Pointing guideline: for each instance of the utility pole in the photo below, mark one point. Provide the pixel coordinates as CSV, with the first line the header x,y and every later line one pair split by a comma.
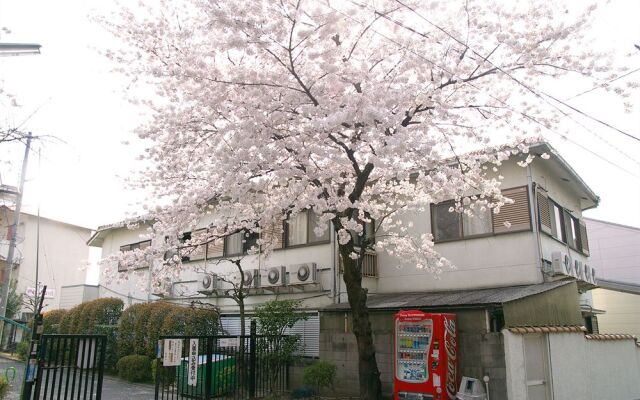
x,y
8,268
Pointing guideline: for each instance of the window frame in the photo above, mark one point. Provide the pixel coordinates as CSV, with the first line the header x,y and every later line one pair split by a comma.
x,y
137,244
570,225
449,204
285,233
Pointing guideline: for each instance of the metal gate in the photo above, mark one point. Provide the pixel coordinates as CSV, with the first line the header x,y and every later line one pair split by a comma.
x,y
232,367
70,367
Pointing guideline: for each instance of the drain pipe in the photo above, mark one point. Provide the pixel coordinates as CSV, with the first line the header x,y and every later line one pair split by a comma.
x,y
486,385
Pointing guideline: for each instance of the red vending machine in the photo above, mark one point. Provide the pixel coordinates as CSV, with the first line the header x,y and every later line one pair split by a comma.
x,y
426,356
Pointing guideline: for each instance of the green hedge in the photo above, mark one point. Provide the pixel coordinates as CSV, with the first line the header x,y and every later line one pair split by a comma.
x,y
51,320
142,324
84,317
135,368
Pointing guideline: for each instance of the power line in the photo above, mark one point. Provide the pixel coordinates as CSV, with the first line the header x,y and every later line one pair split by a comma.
x,y
602,84
516,80
526,116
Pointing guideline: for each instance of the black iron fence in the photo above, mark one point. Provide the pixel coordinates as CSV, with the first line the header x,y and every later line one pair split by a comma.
x,y
69,367
230,367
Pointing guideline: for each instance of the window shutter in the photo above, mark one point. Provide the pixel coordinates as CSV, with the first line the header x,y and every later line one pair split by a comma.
x,y
584,240
273,234
215,248
516,214
544,212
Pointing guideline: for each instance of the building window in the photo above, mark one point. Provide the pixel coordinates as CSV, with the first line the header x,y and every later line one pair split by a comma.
x,y
572,231
133,246
557,222
369,234
452,225
300,229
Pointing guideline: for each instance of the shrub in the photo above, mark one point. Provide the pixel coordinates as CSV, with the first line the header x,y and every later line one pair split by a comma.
x,y
135,368
167,374
51,320
4,387
319,375
111,350
22,350
84,317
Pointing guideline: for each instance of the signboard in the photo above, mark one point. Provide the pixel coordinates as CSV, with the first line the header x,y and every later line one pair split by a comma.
x,y
172,352
49,294
192,372
229,342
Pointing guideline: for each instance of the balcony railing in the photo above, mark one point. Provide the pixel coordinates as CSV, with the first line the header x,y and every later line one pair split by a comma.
x,y
369,265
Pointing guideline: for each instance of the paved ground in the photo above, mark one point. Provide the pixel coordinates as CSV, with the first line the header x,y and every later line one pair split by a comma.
x,y
112,387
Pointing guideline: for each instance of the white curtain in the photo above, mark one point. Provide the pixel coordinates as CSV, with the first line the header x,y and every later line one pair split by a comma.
x,y
297,229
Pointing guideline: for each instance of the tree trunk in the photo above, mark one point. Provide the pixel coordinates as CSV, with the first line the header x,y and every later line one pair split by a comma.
x,y
368,373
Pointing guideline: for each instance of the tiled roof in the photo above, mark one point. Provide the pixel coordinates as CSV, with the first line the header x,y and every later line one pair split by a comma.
x,y
548,329
611,336
455,298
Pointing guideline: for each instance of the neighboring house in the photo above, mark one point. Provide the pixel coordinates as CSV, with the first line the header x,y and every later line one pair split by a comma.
x,y
60,258
522,267
615,249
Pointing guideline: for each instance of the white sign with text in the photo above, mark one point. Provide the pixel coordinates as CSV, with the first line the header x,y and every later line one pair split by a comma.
x,y
172,352
192,373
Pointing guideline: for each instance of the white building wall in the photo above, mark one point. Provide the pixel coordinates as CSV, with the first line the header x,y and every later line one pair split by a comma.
x,y
62,259
580,368
134,287
615,250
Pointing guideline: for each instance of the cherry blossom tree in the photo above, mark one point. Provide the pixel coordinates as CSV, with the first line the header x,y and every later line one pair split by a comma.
x,y
358,110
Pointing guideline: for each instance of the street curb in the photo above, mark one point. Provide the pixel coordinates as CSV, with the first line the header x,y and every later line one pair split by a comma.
x,y
9,357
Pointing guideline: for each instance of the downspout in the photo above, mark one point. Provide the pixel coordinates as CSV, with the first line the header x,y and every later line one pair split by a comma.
x,y
533,209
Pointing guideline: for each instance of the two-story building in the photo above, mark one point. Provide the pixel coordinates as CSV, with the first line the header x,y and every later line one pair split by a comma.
x,y
54,251
525,266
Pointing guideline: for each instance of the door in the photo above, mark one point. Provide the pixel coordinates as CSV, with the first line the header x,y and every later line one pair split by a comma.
x,y
536,356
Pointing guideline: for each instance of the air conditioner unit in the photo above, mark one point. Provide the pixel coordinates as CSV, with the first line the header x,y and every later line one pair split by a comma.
x,y
561,263
300,274
163,289
578,270
208,283
250,278
587,273
275,276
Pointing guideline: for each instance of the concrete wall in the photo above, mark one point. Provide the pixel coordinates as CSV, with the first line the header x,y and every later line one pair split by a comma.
x,y
559,306
481,352
580,368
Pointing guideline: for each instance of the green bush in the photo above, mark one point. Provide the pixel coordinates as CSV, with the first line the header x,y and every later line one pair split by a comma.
x,y
135,368
111,351
51,320
4,386
84,317
167,374
319,375
142,324
22,350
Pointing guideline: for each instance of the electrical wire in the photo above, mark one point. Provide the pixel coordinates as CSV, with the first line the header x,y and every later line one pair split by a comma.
x,y
602,84
493,97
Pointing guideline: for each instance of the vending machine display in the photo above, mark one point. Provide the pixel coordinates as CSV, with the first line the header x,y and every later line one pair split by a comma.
x,y
425,362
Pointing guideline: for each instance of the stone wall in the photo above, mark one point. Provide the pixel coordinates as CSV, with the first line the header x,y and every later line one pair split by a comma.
x,y
481,352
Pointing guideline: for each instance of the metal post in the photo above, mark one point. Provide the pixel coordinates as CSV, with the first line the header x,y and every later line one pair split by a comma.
x,y
33,370
8,268
208,368
252,360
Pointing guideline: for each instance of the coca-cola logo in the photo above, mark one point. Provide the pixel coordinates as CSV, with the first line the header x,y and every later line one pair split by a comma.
x,y
450,345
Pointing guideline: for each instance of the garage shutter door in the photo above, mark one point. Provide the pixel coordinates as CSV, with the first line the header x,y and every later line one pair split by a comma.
x,y
308,330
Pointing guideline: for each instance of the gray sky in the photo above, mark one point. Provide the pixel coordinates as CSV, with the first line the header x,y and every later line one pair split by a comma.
x,y
68,92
